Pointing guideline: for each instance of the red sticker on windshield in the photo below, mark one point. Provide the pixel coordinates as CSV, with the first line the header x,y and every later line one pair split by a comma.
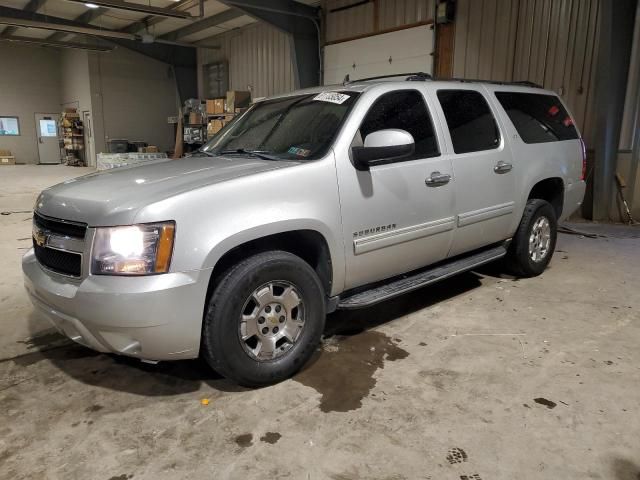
x,y
553,111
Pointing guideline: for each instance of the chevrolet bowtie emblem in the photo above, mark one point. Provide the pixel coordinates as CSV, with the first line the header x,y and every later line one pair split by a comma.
x,y
39,237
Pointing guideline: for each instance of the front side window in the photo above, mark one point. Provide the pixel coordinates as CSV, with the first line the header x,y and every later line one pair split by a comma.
x,y
471,123
301,127
404,110
538,118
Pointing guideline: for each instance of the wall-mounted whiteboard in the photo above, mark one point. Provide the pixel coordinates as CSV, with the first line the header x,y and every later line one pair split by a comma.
x,y
402,51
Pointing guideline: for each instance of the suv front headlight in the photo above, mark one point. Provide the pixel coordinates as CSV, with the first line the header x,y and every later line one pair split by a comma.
x,y
143,249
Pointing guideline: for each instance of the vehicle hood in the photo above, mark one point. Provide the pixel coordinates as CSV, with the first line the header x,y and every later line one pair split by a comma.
x,y
113,197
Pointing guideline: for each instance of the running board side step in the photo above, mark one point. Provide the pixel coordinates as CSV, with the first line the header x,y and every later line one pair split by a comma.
x,y
408,283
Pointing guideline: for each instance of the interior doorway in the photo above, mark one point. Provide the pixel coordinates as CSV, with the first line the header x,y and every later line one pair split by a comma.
x,y
48,140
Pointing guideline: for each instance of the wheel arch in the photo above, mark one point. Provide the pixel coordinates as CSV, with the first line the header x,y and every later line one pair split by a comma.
x,y
550,189
307,243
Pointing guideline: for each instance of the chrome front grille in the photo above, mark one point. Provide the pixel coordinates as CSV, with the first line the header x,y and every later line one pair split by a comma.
x,y
59,244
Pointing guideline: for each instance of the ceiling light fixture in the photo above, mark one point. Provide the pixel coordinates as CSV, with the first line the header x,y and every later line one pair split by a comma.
x,y
91,5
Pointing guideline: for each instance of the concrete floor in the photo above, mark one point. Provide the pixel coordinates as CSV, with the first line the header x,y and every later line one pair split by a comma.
x,y
477,378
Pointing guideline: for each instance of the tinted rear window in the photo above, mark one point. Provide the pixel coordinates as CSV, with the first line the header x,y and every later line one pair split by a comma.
x,y
538,118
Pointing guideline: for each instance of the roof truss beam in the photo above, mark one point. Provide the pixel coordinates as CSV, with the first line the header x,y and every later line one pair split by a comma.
x,y
20,18
86,18
32,6
54,43
136,7
201,25
150,20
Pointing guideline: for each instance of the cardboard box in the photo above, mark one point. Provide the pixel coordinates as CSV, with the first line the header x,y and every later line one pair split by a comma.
x,y
237,99
151,149
195,118
6,158
214,127
215,106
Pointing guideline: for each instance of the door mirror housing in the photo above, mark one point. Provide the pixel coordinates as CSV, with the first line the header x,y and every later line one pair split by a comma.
x,y
383,146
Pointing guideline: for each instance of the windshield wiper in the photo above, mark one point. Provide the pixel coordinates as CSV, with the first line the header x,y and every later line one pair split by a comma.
x,y
262,154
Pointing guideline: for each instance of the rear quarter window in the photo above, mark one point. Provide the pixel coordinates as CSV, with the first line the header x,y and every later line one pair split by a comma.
x,y
538,118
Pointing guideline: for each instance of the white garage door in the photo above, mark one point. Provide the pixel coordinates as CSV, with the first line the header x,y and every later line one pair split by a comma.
x,y
403,51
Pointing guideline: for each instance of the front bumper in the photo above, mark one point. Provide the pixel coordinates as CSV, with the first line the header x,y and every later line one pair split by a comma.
x,y
155,317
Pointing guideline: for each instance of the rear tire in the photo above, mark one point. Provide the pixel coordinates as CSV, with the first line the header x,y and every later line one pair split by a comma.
x,y
264,319
535,240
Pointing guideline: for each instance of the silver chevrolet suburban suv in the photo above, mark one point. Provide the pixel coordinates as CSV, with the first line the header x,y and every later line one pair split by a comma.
x,y
330,198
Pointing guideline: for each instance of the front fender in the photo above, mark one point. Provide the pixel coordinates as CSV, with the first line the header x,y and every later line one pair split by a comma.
x,y
242,237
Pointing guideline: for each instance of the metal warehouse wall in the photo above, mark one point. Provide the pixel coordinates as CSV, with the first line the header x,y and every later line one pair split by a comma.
x,y
633,92
550,42
630,123
362,19
259,58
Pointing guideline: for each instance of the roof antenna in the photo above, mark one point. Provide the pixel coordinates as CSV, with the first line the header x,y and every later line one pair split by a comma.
x,y
346,79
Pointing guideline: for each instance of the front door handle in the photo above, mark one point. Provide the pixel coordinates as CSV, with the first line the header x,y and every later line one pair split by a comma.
x,y
436,179
502,167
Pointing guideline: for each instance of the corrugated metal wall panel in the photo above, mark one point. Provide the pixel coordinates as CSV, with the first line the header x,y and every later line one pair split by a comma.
x,y
347,23
550,42
259,57
360,20
396,13
633,93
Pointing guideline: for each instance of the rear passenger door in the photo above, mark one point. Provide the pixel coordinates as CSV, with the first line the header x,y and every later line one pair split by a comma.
x,y
484,186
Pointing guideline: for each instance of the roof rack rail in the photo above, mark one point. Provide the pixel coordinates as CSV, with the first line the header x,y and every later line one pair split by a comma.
x,y
411,77
524,83
527,83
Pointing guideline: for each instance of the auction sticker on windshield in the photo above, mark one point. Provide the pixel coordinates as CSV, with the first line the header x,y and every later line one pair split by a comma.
x,y
332,97
301,152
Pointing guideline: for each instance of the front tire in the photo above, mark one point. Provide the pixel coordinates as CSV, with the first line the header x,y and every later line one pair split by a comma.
x,y
264,319
535,240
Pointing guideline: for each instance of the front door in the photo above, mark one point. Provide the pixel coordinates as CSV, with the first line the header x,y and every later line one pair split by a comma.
x,y
47,134
482,165
395,219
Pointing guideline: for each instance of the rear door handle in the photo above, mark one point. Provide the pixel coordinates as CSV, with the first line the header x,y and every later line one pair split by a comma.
x,y
502,167
437,179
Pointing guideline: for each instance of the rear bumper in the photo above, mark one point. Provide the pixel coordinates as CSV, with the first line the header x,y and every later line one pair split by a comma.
x,y
154,318
573,197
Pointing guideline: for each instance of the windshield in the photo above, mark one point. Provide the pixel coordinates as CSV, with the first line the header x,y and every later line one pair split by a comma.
x,y
301,127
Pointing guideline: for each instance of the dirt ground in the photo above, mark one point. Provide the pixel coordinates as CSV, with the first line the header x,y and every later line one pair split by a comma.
x,y
481,377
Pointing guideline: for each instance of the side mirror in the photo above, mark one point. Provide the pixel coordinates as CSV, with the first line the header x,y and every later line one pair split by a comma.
x,y
383,146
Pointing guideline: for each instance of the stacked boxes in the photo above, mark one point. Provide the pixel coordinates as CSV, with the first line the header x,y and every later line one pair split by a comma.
x,y
237,99
6,158
215,106
222,110
195,118
214,127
